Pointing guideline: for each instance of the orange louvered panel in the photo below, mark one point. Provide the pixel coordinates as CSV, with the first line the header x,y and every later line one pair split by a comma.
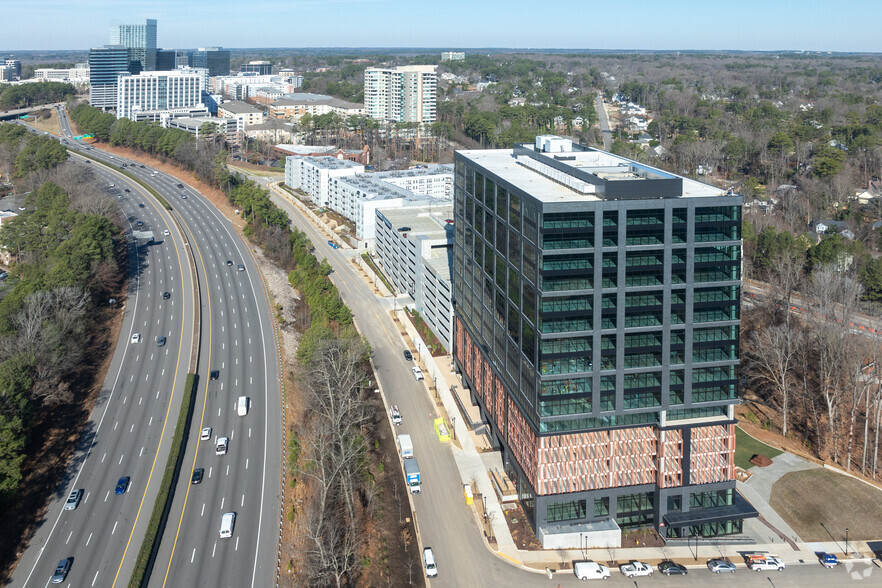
x,y
712,454
670,458
522,442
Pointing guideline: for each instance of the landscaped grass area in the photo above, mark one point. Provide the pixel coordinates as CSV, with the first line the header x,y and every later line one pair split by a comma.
x,y
746,447
820,504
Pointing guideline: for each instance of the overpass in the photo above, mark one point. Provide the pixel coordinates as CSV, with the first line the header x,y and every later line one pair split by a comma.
x,y
19,112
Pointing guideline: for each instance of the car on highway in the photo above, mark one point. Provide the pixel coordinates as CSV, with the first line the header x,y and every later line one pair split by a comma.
x,y
140,205
229,262
213,375
417,373
408,355
228,521
61,571
136,338
395,415
112,185
183,196
181,186
166,295
122,485
198,473
73,500
205,435
221,447
140,223
670,568
142,167
127,190
240,267
429,561
166,232
160,341
720,565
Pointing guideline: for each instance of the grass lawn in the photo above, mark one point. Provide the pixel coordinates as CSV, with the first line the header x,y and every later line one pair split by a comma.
x,y
746,447
820,504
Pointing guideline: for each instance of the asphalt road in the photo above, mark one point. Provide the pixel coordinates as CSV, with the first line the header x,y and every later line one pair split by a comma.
x,y
604,122
237,340
129,432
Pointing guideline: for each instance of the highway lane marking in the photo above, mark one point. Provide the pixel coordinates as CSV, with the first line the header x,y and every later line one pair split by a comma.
x,y
103,456
242,503
246,460
203,510
115,523
228,469
89,539
142,451
106,496
249,432
132,429
218,411
237,544
68,538
210,469
95,579
151,418
115,425
86,499
232,433
166,421
157,397
222,502
125,398
193,556
213,548
140,399
121,458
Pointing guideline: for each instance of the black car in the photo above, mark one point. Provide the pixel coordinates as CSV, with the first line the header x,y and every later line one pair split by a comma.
x,y
142,167
197,476
408,355
127,190
229,262
140,205
181,186
669,568
166,295
214,375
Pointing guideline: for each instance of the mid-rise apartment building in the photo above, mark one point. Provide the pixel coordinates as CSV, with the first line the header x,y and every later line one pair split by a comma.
x,y
427,180
294,106
401,94
105,66
249,115
140,38
413,246
597,305
313,175
158,91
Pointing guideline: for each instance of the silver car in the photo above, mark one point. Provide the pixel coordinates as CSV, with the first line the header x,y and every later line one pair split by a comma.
x,y
721,565
61,571
73,500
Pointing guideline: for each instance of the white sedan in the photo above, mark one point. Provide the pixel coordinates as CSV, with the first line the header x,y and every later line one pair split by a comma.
x,y
136,338
206,434
417,373
166,233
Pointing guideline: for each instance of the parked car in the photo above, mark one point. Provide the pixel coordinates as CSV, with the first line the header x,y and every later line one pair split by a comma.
x,y
73,500
122,485
590,570
408,355
197,476
429,561
721,565
828,560
205,435
669,568
61,571
635,568
417,373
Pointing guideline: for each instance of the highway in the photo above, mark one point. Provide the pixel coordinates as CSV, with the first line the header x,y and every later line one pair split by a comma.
x,y
129,432
236,339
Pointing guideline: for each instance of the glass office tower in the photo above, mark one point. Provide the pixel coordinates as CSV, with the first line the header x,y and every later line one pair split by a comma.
x,y
140,38
597,306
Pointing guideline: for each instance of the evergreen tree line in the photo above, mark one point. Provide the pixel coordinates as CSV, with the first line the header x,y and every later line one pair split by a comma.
x,y
27,95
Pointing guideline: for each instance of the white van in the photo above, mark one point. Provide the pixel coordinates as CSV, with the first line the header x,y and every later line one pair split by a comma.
x,y
429,560
590,570
228,521
242,407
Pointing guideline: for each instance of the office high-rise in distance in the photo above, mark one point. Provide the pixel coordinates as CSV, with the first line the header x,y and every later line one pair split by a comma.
x,y
215,59
140,39
105,65
597,306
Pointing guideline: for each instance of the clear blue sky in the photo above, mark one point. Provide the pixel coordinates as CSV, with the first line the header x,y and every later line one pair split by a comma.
x,y
852,25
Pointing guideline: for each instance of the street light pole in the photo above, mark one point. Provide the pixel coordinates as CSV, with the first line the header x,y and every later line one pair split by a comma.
x,y
454,427
846,541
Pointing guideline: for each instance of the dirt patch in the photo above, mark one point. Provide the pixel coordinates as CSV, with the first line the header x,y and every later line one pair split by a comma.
x,y
55,436
820,504
48,124
521,531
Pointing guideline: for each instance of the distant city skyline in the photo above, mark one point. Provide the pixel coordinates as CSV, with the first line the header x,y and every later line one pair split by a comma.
x,y
566,24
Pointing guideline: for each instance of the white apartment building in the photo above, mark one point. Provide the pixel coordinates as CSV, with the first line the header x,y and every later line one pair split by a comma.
x,y
157,91
294,106
414,247
313,175
429,180
452,56
401,94
75,75
249,115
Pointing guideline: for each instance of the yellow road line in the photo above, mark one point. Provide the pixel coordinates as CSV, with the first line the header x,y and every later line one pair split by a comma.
x,y
202,416
167,412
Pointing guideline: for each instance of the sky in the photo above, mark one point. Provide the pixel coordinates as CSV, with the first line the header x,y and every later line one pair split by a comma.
x,y
749,25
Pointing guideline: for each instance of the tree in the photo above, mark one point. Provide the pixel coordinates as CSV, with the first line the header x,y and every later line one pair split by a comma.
x,y
774,354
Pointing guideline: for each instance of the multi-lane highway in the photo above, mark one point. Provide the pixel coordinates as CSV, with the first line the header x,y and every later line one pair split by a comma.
x,y
235,339
130,430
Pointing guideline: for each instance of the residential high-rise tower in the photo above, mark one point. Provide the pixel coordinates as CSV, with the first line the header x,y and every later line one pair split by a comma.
x,y
597,306
401,94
